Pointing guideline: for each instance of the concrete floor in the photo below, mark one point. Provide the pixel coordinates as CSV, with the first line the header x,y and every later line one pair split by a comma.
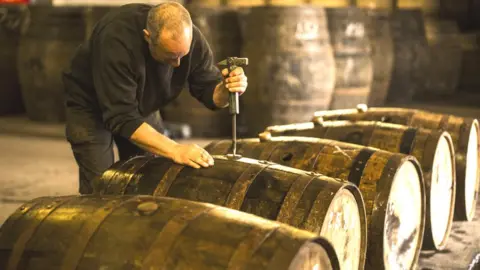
x,y
36,161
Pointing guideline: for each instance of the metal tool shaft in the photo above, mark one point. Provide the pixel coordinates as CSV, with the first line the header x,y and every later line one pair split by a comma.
x,y
234,133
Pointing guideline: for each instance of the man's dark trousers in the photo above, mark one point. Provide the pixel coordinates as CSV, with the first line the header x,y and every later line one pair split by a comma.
x,y
92,145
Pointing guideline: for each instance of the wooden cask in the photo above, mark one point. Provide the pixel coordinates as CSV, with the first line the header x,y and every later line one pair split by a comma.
x,y
44,52
221,28
458,10
433,149
287,48
386,5
395,226
411,55
329,207
380,34
469,79
465,137
445,58
13,18
377,30
247,3
142,232
352,50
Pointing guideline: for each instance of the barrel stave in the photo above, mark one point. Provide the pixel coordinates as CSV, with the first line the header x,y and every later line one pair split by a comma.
x,y
119,232
375,180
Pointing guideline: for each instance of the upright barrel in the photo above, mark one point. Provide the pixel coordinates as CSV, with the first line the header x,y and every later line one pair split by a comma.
x,y
142,232
380,34
465,137
395,226
469,79
13,19
352,50
445,58
433,149
375,19
221,28
292,68
45,50
247,3
411,55
459,10
324,205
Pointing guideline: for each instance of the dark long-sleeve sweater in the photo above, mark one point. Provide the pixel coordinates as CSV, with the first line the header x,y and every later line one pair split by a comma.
x,y
114,75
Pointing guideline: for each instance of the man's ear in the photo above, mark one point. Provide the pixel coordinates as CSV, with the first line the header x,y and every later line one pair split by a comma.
x,y
146,35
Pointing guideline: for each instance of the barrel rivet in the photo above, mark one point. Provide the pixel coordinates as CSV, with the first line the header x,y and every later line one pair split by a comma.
x,y
147,208
265,136
361,108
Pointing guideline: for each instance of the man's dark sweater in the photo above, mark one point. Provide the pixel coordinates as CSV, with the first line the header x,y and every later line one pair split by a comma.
x,y
114,76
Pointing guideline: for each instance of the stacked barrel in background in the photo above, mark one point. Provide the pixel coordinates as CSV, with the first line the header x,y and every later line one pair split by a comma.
x,y
340,181
12,20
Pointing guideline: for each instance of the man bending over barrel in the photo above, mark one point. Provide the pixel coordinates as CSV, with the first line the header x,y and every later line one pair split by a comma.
x,y
136,61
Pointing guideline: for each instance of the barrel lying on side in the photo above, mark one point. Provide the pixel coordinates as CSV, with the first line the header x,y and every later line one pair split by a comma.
x,y
324,205
395,225
465,137
433,149
142,232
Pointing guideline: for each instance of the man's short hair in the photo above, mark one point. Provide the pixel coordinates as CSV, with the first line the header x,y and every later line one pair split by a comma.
x,y
170,16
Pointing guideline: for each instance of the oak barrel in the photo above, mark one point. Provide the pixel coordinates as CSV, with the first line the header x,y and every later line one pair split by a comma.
x,y
221,28
465,137
411,55
458,10
324,205
395,226
433,149
292,67
380,34
12,18
246,3
45,50
445,56
469,79
142,232
352,50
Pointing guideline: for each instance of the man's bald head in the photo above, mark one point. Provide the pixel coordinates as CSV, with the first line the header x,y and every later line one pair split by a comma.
x,y
169,32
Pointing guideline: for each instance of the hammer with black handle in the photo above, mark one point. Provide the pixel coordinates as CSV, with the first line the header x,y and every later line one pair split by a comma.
x,y
232,63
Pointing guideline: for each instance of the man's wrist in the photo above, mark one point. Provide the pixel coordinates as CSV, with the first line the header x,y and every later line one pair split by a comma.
x,y
220,96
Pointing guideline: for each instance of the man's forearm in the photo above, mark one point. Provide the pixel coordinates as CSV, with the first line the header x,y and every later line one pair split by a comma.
x,y
220,96
153,141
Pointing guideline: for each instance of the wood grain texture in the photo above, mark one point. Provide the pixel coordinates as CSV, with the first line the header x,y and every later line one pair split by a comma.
x,y
272,191
341,160
143,232
459,129
421,143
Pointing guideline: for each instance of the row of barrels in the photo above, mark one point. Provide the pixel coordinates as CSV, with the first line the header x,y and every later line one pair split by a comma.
x,y
304,59
343,178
